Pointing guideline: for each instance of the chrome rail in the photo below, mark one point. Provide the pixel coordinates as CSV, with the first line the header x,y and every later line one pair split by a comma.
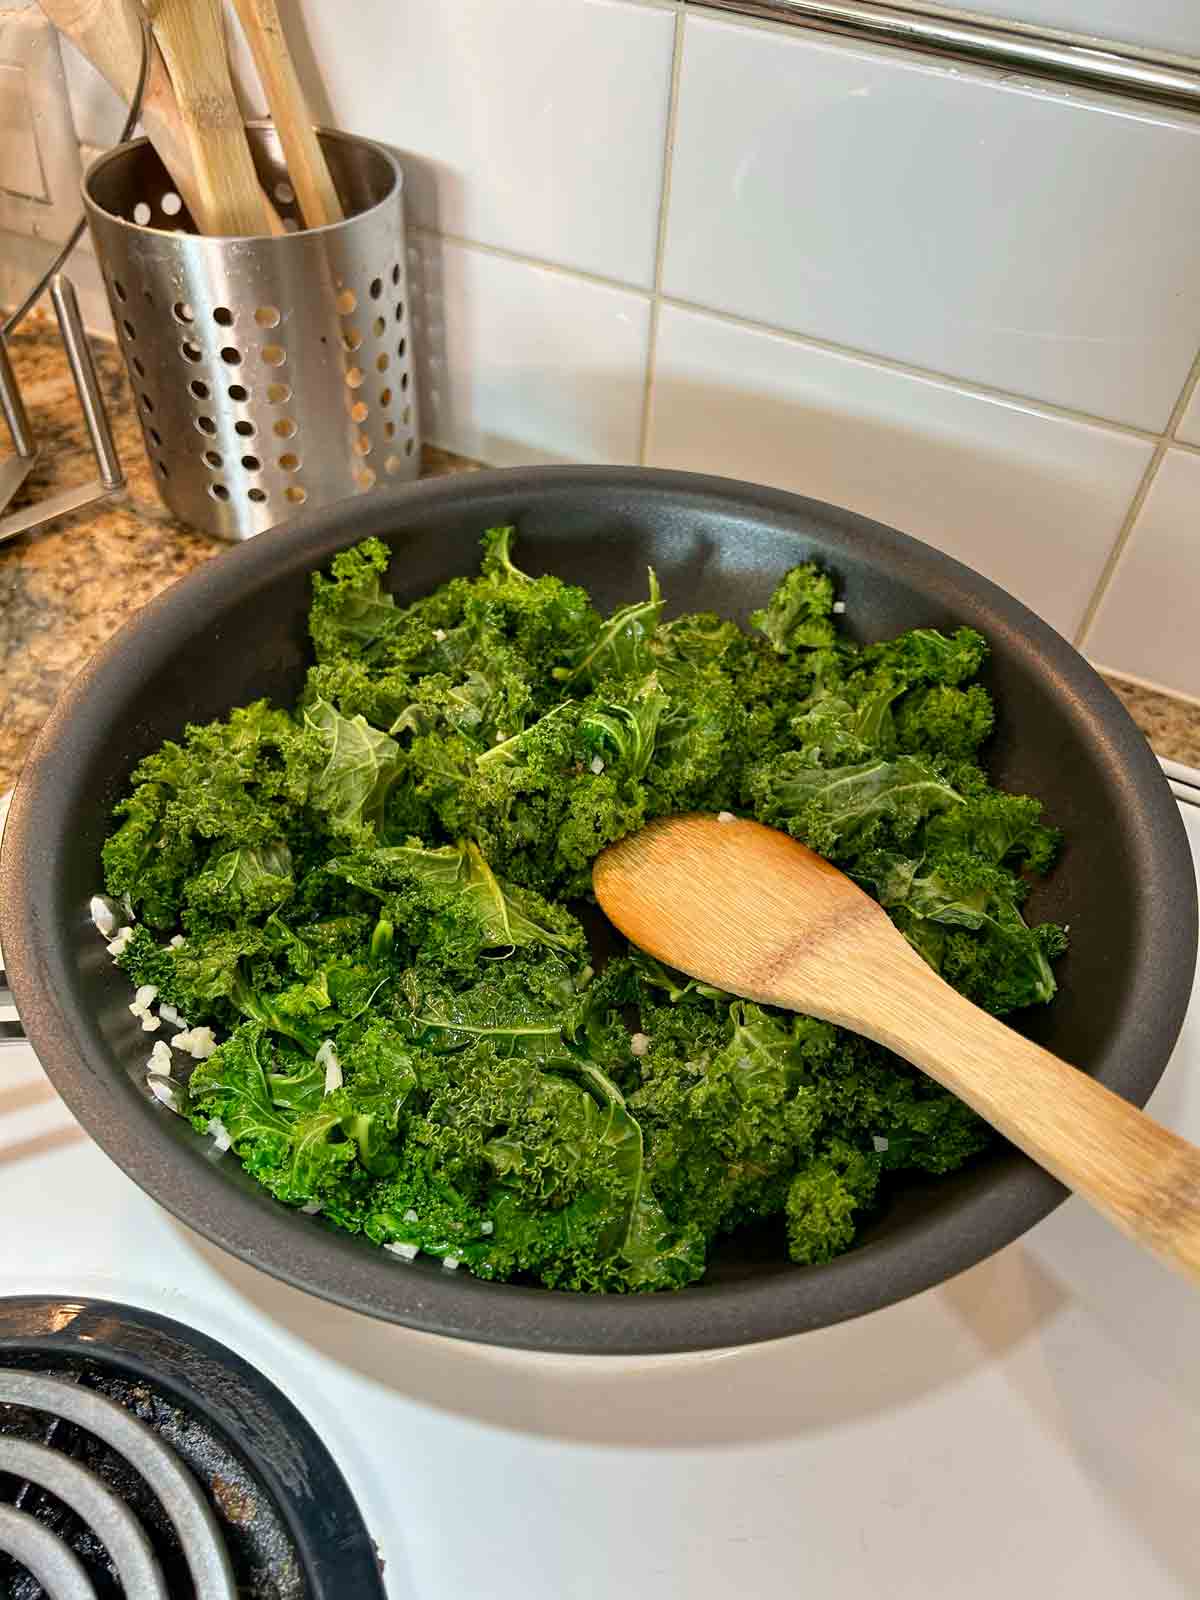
x,y
1117,68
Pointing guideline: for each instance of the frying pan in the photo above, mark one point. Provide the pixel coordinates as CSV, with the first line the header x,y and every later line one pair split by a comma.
x,y
235,630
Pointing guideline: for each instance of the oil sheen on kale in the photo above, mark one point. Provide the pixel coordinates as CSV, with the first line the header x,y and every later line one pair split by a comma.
x,y
373,900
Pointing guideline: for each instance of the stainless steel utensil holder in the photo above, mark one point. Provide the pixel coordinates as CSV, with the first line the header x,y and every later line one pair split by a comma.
x,y
270,373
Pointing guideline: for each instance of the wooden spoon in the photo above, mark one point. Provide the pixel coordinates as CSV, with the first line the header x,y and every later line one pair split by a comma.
x,y
109,34
307,168
191,36
756,913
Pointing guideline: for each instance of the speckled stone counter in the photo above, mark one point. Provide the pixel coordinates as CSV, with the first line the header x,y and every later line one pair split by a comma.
x,y
1170,722
64,590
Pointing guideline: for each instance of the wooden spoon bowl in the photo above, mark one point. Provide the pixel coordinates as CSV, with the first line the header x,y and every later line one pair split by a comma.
x,y
756,913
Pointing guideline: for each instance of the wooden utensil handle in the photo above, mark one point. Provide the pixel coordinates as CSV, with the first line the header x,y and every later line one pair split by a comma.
x,y
1141,1176
191,35
307,167
109,34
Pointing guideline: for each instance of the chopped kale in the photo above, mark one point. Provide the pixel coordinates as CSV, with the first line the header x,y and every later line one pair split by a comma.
x,y
372,900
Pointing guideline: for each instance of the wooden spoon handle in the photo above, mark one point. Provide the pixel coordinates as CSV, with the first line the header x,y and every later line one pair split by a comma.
x,y
307,167
192,39
1141,1176
109,34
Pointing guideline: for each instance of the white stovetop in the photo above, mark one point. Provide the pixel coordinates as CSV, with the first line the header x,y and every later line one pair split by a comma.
x,y
1031,1429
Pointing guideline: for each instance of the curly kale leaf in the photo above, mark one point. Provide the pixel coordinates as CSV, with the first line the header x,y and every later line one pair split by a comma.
x,y
1004,829
824,1199
833,732
544,618
534,1167
621,647
351,614
252,880
482,707
224,787
839,810
449,896
515,1010
653,975
620,732
798,615
295,1152
941,720
960,902
729,1109
360,767
304,1142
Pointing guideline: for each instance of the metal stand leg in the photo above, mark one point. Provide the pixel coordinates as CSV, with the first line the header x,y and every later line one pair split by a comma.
x,y
14,471
83,370
87,387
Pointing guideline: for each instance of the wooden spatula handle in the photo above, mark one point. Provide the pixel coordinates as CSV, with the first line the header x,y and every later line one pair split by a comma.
x,y
306,164
191,36
1142,1177
109,34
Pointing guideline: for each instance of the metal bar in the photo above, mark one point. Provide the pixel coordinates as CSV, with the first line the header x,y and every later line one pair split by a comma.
x,y
54,505
13,473
178,1492
11,1030
83,370
1115,69
56,1568
1182,774
14,408
93,1501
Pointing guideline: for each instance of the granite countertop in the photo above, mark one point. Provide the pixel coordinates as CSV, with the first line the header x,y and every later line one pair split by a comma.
x,y
65,589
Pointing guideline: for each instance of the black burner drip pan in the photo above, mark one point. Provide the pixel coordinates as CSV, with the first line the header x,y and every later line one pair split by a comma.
x,y
276,1501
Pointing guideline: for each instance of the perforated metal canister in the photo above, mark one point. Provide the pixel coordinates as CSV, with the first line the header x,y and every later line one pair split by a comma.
x,y
270,373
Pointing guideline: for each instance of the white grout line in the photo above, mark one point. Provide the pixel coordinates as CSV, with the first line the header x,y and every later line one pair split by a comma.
x,y
909,369
660,247
1121,543
1182,444
504,254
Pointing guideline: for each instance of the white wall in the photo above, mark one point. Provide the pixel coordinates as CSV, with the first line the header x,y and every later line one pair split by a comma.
x,y
961,302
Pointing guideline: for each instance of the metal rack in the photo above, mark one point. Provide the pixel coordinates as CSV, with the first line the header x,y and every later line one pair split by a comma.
x,y
14,471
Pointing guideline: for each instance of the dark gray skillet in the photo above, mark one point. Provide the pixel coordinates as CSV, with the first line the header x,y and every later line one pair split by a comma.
x,y
235,630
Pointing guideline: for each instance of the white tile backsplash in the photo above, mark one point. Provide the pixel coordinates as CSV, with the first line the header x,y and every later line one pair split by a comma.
x,y
23,261
98,111
1006,234
1172,25
1146,623
537,126
527,364
1017,236
1033,501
